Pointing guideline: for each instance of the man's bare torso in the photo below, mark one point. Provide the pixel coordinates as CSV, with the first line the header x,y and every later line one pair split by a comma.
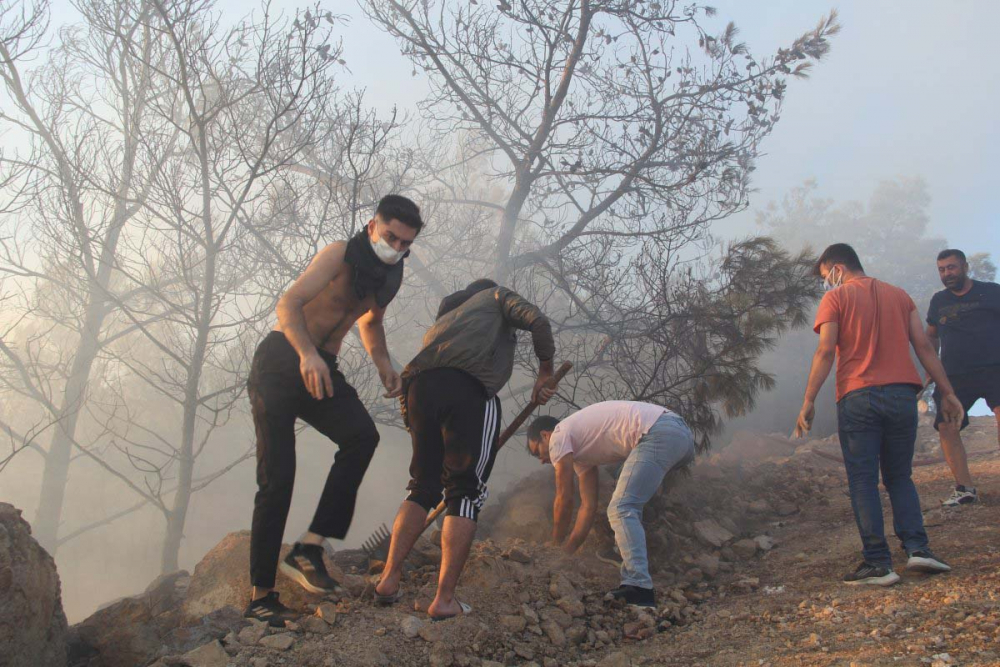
x,y
332,313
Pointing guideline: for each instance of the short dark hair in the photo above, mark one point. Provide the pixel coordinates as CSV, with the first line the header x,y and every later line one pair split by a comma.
x,y
456,299
952,252
398,207
839,253
543,423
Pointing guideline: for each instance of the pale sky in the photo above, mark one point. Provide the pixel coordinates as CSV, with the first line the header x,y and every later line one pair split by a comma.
x,y
910,88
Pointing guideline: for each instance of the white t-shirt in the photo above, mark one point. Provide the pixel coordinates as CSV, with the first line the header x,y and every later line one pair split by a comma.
x,y
602,433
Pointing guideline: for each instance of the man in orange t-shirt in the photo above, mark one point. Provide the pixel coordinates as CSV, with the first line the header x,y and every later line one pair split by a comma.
x,y
869,325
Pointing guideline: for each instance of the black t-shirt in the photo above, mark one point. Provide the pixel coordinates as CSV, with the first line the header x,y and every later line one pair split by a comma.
x,y
968,326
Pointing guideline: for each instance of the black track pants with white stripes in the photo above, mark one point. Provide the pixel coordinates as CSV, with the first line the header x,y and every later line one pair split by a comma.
x,y
455,428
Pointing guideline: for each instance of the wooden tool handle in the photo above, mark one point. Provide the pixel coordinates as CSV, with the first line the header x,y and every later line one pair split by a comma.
x,y
530,407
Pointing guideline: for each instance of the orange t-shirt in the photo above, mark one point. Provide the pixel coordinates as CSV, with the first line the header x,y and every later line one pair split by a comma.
x,y
873,339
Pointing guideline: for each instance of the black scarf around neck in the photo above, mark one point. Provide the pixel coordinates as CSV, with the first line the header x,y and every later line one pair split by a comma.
x,y
371,275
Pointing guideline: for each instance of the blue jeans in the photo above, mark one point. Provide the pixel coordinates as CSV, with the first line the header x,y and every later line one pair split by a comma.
x,y
878,428
667,444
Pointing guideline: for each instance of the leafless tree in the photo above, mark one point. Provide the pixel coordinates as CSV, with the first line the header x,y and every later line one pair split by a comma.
x,y
608,145
86,166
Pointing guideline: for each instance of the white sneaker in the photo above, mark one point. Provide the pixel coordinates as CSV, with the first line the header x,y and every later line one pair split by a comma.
x,y
925,561
961,496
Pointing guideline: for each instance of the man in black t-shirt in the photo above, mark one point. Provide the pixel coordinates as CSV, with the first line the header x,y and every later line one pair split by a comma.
x,y
964,320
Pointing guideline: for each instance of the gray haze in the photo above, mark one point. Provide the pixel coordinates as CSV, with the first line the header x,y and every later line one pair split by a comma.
x,y
909,89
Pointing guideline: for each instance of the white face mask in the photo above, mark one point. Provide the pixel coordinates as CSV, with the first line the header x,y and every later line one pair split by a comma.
x,y
385,252
830,282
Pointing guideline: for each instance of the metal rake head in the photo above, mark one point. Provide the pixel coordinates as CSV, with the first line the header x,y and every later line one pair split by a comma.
x,y
377,546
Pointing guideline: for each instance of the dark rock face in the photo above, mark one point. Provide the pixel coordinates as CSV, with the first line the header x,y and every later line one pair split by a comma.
x,y
33,630
140,629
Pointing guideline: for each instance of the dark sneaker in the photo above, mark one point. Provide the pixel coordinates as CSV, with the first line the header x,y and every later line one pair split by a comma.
x,y
873,575
304,565
270,610
962,495
925,561
609,555
634,595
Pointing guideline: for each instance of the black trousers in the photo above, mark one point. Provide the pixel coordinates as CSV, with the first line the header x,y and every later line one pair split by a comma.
x,y
455,428
278,397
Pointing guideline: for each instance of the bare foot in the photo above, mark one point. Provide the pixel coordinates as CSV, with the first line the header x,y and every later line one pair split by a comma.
x,y
439,609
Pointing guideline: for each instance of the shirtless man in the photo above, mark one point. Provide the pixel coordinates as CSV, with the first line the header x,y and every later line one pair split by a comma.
x,y
294,375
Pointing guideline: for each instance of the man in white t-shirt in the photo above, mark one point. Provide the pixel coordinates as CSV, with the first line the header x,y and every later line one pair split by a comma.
x,y
649,439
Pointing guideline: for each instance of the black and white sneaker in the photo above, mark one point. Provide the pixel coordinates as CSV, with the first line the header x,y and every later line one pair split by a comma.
x,y
925,561
872,575
636,596
304,565
962,495
270,610
609,555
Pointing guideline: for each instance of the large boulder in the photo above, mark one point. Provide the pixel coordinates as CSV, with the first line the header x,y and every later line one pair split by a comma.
x,y
138,630
33,628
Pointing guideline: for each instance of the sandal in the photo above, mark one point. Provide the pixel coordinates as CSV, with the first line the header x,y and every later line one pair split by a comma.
x,y
388,600
466,609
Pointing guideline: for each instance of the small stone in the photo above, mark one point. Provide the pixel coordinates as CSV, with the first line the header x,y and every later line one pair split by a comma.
x,y
786,509
554,632
514,623
813,640
572,606
518,555
411,625
328,612
431,632
576,635
524,651
441,656
315,624
709,564
618,659
745,548
558,616
209,655
260,662
281,642
561,587
250,635
711,533
530,614
381,632
764,542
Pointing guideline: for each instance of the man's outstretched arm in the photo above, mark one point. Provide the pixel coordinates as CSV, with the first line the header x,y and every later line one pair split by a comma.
x,y
951,407
372,331
587,511
562,508
822,362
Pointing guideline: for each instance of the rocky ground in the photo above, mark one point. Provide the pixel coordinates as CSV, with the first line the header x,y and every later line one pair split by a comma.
x,y
748,552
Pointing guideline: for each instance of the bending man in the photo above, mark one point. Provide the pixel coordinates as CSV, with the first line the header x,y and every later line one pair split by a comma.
x,y
294,375
650,440
453,414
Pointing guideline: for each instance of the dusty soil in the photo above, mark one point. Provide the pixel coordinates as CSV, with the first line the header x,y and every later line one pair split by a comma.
x,y
747,556
815,620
